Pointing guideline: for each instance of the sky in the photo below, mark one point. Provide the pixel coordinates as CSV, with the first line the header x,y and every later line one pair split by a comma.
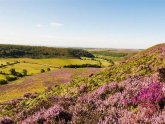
x,y
83,23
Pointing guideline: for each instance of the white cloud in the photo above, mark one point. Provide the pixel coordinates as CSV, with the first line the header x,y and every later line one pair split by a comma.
x,y
39,25
56,24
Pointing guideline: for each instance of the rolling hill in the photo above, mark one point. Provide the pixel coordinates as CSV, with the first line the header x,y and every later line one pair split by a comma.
x,y
129,92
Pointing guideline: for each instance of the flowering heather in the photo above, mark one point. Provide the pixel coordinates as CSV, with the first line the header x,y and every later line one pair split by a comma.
x,y
6,120
51,115
126,94
144,96
152,95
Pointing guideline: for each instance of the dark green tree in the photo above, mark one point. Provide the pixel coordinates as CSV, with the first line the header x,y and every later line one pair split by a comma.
x,y
48,69
42,70
24,71
12,71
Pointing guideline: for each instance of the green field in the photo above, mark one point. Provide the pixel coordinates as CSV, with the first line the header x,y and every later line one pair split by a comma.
x,y
34,66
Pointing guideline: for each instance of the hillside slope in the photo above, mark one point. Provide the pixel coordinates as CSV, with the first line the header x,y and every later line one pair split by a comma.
x,y
18,51
131,92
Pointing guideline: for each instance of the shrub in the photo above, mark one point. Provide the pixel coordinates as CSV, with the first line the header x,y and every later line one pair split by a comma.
x,y
8,63
19,74
24,72
42,70
54,114
48,69
2,82
6,120
10,78
12,71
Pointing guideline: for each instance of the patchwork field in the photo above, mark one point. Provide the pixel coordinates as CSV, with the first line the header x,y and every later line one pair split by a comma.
x,y
34,66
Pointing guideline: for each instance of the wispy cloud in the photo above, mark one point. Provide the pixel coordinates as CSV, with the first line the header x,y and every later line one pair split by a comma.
x,y
51,24
56,24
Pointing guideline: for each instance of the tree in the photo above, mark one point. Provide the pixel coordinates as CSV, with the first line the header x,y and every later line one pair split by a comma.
x,y
2,82
24,72
12,71
10,78
8,63
42,70
48,69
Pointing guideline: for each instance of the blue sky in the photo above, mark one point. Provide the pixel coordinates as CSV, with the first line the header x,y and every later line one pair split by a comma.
x,y
83,23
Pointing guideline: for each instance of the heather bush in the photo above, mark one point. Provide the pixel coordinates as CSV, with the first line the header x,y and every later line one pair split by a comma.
x,y
55,114
105,104
6,120
149,97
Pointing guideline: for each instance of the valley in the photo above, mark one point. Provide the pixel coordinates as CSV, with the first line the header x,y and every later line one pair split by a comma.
x,y
128,85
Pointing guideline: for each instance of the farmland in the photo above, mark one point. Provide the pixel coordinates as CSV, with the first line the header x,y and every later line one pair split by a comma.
x,y
34,66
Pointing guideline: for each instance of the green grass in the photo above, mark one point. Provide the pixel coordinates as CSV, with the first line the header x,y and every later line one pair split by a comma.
x,y
31,68
58,62
2,77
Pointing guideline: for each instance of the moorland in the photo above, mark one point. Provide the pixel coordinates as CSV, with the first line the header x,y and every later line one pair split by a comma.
x,y
101,86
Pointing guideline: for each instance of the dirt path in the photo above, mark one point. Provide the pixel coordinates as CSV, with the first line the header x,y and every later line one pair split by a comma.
x,y
39,82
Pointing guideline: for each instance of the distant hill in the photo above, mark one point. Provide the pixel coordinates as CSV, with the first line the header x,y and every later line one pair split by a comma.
x,y
20,51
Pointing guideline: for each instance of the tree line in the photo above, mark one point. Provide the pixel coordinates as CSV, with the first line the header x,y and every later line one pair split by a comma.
x,y
20,51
